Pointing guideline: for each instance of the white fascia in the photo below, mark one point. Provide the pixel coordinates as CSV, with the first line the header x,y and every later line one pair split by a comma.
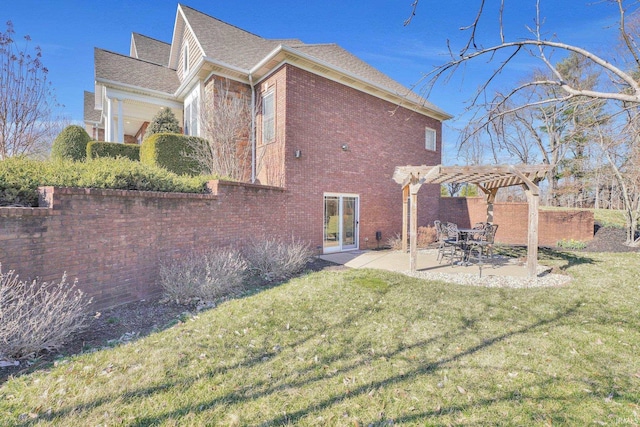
x,y
146,95
403,101
112,93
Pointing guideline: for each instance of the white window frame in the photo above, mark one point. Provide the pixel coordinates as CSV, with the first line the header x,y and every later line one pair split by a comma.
x,y
191,112
185,59
268,121
430,139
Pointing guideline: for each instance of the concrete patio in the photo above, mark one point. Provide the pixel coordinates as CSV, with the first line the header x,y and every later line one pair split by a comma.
x,y
426,262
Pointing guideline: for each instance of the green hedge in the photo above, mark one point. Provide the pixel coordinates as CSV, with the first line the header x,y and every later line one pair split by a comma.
x,y
170,151
20,178
96,149
70,144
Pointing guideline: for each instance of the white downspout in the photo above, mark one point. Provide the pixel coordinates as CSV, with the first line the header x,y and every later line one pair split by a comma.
x,y
253,130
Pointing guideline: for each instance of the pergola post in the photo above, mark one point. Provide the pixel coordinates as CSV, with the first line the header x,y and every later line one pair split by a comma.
x,y
491,198
532,235
413,233
405,213
532,192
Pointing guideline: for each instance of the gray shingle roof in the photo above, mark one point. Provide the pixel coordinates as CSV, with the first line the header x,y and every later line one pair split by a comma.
x,y
152,50
90,113
227,43
135,72
240,48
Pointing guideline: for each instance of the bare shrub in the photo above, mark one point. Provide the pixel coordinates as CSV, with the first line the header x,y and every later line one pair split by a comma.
x,y
395,242
205,276
38,316
273,259
426,236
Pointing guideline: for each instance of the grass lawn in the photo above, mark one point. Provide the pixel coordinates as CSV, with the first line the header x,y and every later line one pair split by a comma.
x,y
364,347
605,217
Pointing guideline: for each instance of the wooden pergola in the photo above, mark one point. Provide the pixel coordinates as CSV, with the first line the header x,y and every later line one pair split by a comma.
x,y
488,178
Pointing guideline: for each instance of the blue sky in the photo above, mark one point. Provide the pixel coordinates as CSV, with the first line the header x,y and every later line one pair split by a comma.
x,y
67,32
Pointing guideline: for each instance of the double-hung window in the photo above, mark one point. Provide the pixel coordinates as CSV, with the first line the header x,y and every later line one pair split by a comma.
x,y
430,139
268,118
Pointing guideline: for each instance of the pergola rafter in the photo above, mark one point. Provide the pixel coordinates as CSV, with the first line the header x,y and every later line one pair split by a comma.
x,y
488,178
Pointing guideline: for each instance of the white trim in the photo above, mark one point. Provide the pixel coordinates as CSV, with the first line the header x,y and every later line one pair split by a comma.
x,y
268,93
164,95
434,133
356,232
194,95
115,93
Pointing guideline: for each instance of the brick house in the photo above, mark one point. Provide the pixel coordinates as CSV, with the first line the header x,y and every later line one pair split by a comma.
x,y
328,128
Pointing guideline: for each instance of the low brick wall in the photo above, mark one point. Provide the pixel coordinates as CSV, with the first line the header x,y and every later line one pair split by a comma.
x,y
512,220
112,240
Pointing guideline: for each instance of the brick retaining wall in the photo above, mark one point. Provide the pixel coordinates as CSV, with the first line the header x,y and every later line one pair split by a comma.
x,y
512,220
112,240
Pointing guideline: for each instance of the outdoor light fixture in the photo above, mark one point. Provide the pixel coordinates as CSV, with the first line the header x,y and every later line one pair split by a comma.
x,y
345,147
298,154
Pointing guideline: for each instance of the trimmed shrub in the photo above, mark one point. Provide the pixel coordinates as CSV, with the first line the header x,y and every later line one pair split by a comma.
x,y
163,122
273,259
20,178
171,151
71,144
114,150
36,317
203,276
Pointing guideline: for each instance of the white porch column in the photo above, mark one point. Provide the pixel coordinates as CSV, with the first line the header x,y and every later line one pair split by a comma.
x,y
108,124
120,122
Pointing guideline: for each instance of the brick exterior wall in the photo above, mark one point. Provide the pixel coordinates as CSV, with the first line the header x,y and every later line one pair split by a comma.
x,y
112,240
512,220
318,116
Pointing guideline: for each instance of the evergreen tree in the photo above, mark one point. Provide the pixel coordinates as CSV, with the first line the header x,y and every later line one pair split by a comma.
x,y
163,122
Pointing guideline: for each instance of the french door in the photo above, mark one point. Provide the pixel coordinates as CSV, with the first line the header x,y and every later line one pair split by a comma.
x,y
341,218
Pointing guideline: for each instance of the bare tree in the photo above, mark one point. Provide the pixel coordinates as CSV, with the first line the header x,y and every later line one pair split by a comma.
x,y
27,100
618,94
226,124
621,148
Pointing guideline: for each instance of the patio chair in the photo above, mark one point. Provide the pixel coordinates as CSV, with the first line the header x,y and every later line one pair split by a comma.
x,y
483,246
453,244
440,238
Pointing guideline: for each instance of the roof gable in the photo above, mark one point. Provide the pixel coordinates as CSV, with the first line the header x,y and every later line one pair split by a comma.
x,y
221,41
149,49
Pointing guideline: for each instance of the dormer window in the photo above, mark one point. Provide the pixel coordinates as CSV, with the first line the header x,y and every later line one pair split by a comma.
x,y
185,59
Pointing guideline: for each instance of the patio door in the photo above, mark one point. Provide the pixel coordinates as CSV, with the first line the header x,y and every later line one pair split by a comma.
x,y
341,218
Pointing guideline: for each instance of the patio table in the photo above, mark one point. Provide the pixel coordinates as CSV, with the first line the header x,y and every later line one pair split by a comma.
x,y
470,237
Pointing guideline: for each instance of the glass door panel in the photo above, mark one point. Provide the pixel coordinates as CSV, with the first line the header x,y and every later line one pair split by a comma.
x,y
349,222
331,224
340,223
